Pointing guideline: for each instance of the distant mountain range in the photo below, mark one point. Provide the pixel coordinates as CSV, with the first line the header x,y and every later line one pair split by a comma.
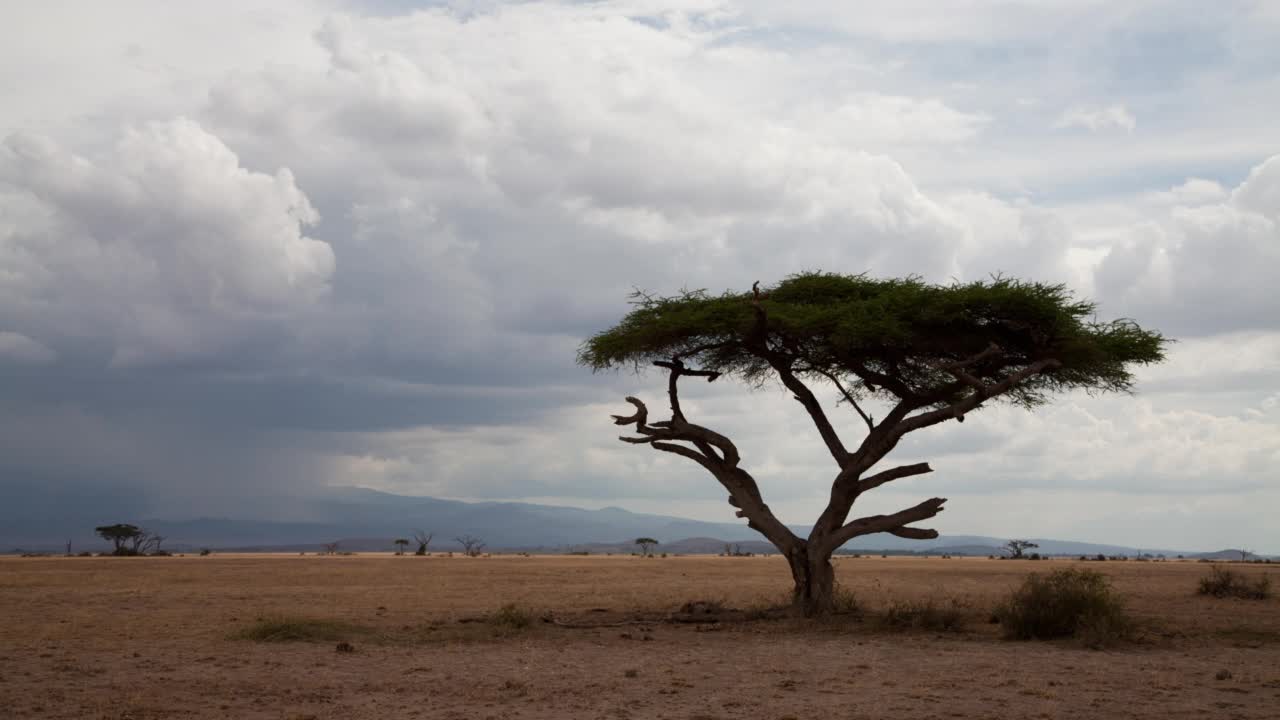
x,y
363,520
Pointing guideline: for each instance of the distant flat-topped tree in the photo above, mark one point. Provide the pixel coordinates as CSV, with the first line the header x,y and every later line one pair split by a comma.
x,y
932,352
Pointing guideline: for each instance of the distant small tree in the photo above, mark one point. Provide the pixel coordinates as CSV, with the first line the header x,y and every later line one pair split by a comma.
x,y
401,544
1016,547
423,539
646,545
1244,554
120,534
471,546
330,548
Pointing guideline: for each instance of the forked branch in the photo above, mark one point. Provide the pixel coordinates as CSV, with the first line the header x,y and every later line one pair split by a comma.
x,y
894,524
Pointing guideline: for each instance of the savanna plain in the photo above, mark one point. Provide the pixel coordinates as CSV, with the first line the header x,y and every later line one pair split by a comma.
x,y
381,636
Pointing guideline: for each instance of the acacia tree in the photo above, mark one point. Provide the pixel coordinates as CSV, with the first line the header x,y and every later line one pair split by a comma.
x,y
646,545
1016,547
929,353
122,533
401,544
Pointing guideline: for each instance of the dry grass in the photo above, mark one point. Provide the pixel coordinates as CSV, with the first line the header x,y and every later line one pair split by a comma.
x,y
301,629
254,636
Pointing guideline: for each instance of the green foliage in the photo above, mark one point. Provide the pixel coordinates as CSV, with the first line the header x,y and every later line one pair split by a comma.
x,y
1223,583
1065,603
852,326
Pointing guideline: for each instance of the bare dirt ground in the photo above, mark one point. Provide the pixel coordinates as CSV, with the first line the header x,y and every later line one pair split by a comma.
x,y
144,638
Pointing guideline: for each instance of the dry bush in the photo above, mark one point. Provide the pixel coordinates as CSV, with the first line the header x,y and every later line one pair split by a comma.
x,y
925,615
511,618
846,602
1223,583
1065,603
300,629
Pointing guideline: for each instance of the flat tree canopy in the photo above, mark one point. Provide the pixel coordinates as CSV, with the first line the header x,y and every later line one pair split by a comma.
x,y
932,352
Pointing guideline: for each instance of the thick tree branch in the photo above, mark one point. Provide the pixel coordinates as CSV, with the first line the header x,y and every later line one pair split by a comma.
x,y
806,397
889,523
714,452
783,365
879,442
744,494
880,478
911,533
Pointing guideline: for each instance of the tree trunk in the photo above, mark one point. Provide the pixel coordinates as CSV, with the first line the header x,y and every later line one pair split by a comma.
x,y
814,593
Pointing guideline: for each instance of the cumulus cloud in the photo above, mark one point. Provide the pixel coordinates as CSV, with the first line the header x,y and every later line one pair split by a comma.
x,y
1195,191
1207,267
1112,117
165,245
648,158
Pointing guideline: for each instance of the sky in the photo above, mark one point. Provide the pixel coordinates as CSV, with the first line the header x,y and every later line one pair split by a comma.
x,y
249,251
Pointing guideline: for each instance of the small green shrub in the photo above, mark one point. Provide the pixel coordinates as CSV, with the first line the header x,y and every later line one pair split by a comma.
x,y
925,615
1223,583
300,629
1069,602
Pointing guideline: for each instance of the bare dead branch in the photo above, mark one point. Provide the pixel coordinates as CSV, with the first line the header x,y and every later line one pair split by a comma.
x,y
884,476
678,367
911,533
887,523
639,417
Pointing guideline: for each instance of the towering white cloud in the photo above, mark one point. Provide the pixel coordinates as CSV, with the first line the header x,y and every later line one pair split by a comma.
x,y
1205,267
164,243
